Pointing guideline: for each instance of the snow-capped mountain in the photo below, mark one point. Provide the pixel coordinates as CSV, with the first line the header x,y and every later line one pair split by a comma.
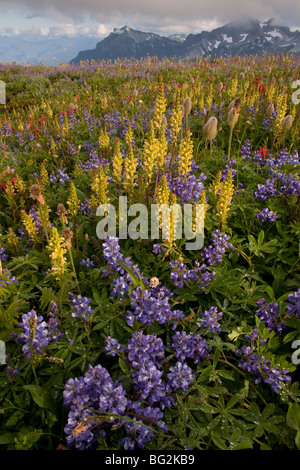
x,y
235,38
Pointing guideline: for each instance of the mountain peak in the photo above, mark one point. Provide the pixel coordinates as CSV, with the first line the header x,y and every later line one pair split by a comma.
x,y
246,36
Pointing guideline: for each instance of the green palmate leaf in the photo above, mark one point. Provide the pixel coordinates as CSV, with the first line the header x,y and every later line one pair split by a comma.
x,y
40,396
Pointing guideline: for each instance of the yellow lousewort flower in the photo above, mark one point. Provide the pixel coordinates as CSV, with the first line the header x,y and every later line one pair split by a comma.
x,y
160,107
163,192
176,119
216,185
30,225
210,129
44,178
150,153
19,184
162,149
287,123
202,200
73,201
99,186
185,154
281,109
103,139
173,220
57,248
117,162
225,198
130,166
233,87
209,98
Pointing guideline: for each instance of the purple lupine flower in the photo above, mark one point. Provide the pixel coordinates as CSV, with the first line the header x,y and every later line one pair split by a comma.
x,y
87,263
180,377
95,391
293,307
11,373
158,249
189,346
145,348
35,333
151,305
81,306
261,368
3,256
268,314
112,346
210,319
54,328
266,214
121,286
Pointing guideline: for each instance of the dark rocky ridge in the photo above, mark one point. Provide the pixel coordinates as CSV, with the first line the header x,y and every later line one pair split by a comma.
x,y
235,38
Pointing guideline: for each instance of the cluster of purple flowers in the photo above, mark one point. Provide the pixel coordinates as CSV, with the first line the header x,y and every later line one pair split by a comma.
x,y
181,276
85,207
3,256
11,373
152,305
266,190
293,307
81,306
35,333
60,176
96,392
268,313
266,214
214,252
189,346
188,188
210,318
246,150
7,279
262,368
88,263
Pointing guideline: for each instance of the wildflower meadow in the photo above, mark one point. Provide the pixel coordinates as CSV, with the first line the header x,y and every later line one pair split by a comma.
x,y
121,342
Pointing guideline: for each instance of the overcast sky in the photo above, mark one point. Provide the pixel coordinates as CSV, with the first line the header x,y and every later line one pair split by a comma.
x,y
161,16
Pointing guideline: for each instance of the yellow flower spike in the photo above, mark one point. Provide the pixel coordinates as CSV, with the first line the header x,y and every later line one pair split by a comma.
x,y
160,107
162,149
44,177
130,167
225,199
73,201
117,162
30,226
185,154
163,192
176,119
202,200
216,185
151,149
19,184
103,139
58,249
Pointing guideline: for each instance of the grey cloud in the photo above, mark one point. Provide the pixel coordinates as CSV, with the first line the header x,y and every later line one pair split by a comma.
x,y
137,13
